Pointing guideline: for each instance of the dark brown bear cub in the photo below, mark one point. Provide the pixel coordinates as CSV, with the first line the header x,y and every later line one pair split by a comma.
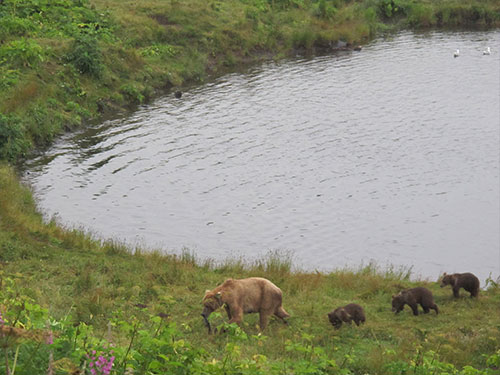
x,y
347,314
461,280
412,297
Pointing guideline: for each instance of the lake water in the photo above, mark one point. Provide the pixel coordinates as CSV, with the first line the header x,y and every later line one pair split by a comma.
x,y
387,155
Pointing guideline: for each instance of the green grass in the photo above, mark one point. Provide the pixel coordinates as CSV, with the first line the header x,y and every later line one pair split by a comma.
x,y
68,271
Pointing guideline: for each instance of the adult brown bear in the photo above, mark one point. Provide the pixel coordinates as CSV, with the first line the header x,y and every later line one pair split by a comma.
x,y
245,296
412,297
467,280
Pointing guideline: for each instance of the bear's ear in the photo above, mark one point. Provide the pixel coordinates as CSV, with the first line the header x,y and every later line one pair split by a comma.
x,y
207,292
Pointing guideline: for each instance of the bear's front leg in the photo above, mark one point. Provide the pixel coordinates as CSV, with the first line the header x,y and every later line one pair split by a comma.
x,y
228,311
263,320
415,309
236,316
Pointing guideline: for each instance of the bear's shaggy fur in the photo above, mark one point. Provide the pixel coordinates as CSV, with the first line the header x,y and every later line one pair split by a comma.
x,y
467,280
347,314
412,297
245,296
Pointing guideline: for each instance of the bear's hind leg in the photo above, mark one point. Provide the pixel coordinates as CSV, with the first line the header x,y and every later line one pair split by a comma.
x,y
282,314
264,319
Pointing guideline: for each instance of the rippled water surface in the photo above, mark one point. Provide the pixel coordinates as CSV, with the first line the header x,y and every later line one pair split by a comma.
x,y
390,155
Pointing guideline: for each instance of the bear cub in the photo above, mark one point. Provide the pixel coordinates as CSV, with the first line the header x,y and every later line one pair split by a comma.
x,y
347,314
412,297
467,280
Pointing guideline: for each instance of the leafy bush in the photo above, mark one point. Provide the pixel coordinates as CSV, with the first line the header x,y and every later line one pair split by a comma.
x,y
12,140
304,39
284,4
159,50
15,26
420,15
325,10
370,15
85,55
8,78
390,8
51,18
25,52
132,93
465,14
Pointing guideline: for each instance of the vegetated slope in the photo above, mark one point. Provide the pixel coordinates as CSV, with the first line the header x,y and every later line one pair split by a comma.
x,y
66,61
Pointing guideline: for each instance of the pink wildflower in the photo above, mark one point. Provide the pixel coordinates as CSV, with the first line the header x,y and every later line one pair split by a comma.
x,y
101,366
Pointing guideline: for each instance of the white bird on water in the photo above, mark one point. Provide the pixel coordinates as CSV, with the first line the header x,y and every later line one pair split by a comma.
x,y
457,53
487,52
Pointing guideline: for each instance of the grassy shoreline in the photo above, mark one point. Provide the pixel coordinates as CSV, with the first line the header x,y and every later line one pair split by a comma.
x,y
107,291
64,63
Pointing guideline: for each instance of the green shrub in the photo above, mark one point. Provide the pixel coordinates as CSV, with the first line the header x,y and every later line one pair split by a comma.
x,y
390,8
158,50
132,93
466,14
420,15
304,39
8,78
15,26
284,4
23,52
12,140
85,55
370,15
325,10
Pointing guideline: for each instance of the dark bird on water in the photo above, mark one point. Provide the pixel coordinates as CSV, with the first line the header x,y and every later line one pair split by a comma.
x,y
178,94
